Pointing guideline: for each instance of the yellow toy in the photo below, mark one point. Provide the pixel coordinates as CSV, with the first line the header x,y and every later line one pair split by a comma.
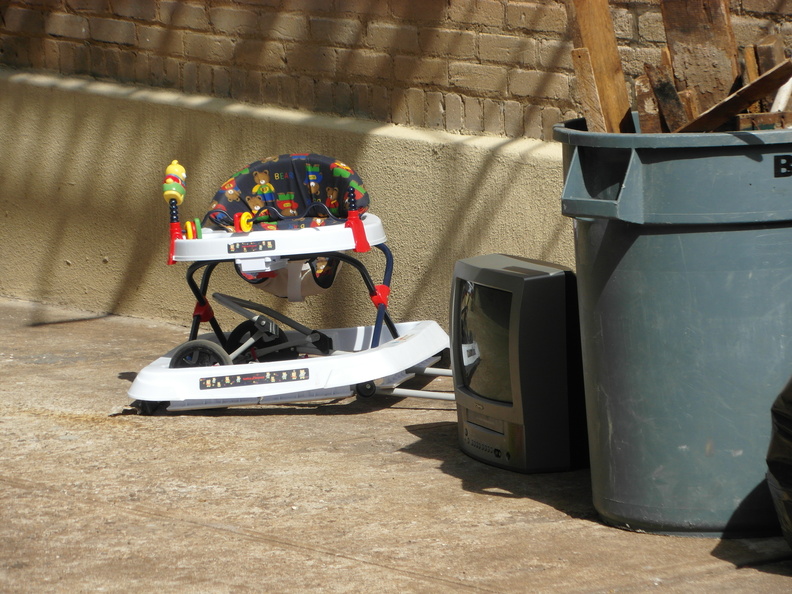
x,y
173,186
173,190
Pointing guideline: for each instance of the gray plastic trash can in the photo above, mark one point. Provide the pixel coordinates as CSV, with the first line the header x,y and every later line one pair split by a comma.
x,y
684,266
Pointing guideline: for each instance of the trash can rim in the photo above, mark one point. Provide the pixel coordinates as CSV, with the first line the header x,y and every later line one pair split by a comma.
x,y
571,132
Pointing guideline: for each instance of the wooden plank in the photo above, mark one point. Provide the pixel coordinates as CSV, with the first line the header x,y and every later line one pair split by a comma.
x,y
671,109
703,47
690,102
767,83
587,88
764,121
666,61
751,73
769,53
689,96
648,112
592,28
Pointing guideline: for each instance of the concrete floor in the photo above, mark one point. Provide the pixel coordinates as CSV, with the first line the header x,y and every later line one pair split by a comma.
x,y
348,496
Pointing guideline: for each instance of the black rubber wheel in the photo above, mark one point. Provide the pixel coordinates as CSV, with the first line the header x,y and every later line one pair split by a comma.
x,y
366,389
238,336
199,353
149,407
245,330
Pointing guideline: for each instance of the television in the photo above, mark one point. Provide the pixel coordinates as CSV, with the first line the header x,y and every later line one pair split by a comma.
x,y
516,364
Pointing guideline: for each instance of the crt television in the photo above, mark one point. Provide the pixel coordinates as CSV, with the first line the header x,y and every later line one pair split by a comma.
x,y
516,361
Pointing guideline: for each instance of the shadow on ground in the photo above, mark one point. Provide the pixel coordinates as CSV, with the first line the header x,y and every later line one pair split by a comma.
x,y
568,492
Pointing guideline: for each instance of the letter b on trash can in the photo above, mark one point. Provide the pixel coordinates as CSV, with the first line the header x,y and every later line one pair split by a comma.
x,y
782,165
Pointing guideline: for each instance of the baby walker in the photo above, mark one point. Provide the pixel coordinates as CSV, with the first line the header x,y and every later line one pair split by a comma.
x,y
285,223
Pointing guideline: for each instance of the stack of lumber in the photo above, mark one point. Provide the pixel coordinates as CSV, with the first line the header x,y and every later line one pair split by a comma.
x,y
701,84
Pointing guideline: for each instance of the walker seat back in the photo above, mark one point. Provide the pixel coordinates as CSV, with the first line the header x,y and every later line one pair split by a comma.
x,y
290,191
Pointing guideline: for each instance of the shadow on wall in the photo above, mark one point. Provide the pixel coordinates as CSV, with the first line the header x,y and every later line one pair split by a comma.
x,y
74,175
84,162
493,205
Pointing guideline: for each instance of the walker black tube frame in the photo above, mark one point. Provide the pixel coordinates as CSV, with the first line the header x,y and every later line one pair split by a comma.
x,y
203,308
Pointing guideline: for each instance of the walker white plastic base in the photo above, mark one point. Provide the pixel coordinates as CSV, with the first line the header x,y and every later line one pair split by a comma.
x,y
310,377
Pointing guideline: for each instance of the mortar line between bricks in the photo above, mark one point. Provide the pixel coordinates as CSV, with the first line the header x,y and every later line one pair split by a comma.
x,y
247,533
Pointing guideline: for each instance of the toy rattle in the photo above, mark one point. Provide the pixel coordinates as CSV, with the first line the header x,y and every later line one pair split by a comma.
x,y
173,190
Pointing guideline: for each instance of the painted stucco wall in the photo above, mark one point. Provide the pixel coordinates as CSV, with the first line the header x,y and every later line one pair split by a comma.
x,y
85,223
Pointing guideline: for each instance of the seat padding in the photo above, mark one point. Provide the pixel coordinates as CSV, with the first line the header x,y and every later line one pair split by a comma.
x,y
290,192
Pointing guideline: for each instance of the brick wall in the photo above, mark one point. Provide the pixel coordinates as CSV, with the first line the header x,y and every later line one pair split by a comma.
x,y
474,66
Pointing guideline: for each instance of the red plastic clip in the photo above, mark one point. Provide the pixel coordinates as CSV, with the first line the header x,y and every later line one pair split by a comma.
x,y
355,223
205,311
381,297
175,233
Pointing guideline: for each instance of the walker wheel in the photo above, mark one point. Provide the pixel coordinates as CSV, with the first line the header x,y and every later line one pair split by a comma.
x,y
199,353
149,407
248,328
366,389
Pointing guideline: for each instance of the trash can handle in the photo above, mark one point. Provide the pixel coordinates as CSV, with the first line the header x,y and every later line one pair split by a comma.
x,y
577,202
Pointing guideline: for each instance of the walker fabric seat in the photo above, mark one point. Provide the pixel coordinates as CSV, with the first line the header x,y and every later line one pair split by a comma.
x,y
290,191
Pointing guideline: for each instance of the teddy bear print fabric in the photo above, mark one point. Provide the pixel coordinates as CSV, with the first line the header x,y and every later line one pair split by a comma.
x,y
290,192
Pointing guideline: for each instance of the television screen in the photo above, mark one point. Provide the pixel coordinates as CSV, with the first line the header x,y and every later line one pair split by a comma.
x,y
484,328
